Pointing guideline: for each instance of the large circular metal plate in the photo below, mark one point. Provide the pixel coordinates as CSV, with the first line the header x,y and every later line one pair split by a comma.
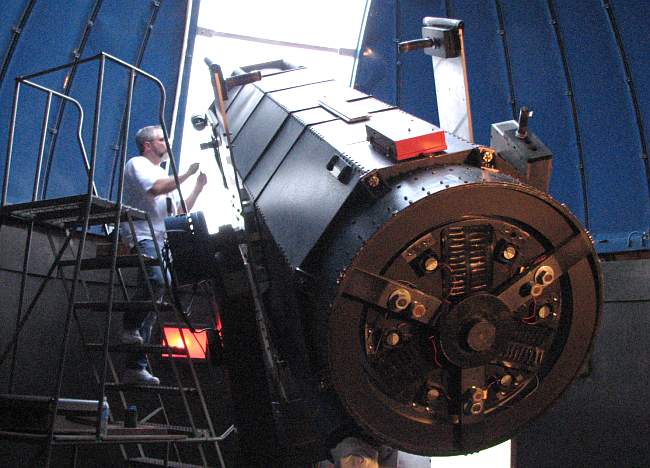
x,y
503,291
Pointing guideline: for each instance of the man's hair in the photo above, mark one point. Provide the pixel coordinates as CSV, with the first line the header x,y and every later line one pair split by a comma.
x,y
145,134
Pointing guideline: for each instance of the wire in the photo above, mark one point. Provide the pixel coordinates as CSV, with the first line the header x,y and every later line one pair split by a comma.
x,y
432,340
532,316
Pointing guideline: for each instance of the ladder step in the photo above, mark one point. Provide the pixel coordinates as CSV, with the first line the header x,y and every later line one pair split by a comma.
x,y
146,461
101,263
90,439
125,348
147,388
120,306
171,429
69,210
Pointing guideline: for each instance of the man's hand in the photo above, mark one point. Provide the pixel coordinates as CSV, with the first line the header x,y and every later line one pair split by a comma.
x,y
167,184
201,180
192,169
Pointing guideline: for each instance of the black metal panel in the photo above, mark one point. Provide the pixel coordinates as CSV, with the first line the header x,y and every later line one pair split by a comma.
x,y
256,133
340,134
242,107
273,156
297,212
306,97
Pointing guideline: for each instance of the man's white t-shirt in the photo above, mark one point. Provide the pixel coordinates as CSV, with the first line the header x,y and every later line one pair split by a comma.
x,y
139,176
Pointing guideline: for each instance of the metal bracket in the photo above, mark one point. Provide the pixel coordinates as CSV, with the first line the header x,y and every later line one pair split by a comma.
x,y
381,291
442,39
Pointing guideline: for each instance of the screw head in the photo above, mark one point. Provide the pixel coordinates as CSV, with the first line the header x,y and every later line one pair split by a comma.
x,y
509,252
477,408
506,380
433,394
373,181
431,264
393,338
544,311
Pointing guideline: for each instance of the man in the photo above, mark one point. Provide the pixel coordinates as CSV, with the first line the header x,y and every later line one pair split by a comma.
x,y
148,187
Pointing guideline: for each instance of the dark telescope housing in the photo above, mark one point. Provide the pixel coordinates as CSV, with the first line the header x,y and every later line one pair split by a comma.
x,y
435,304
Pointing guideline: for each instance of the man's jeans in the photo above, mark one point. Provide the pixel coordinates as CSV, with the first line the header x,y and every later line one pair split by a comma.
x,y
143,320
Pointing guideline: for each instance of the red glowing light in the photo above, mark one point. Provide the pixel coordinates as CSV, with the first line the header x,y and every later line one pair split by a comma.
x,y
196,342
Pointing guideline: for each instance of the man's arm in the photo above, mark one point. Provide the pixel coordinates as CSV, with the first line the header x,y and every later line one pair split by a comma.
x,y
167,184
201,180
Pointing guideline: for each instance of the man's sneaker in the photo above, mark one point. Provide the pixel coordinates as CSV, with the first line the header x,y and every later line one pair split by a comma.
x,y
131,337
139,377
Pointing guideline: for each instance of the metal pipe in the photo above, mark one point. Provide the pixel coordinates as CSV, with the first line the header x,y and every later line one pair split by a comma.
x,y
111,58
41,146
115,241
17,30
562,50
629,79
47,71
10,144
77,268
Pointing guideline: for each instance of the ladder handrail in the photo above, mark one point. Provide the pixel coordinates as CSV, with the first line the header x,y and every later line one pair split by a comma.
x,y
102,56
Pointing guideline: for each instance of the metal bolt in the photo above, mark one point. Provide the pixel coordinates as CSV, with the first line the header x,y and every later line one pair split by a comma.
x,y
505,381
537,290
488,156
433,394
477,395
509,252
373,181
477,408
419,310
393,338
545,275
544,311
399,300
431,264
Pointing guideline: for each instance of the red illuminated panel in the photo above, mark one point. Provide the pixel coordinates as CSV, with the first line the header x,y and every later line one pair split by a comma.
x,y
401,136
196,342
422,144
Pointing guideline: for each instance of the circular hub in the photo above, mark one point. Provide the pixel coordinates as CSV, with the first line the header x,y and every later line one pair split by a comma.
x,y
471,331
488,355
481,336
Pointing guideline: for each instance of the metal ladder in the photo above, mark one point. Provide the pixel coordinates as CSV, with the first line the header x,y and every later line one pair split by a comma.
x,y
75,215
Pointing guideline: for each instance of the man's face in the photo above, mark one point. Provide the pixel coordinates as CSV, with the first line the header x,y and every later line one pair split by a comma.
x,y
158,145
